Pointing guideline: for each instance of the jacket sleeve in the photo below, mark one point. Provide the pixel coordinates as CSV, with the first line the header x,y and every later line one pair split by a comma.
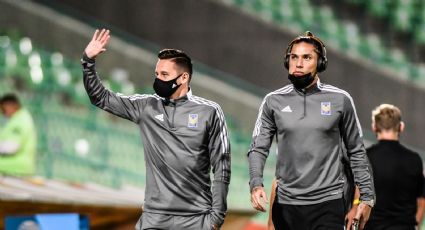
x,y
127,107
262,137
352,136
219,149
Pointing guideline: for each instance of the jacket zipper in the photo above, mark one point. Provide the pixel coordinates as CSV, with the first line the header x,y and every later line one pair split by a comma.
x,y
305,104
172,118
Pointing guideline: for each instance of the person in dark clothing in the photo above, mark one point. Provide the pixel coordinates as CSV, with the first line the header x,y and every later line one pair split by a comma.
x,y
184,137
398,174
312,123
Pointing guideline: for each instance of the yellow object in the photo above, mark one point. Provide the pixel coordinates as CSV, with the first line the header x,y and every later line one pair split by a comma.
x,y
356,201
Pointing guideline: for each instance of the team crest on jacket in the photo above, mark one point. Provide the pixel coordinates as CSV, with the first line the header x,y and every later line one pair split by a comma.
x,y
325,108
192,121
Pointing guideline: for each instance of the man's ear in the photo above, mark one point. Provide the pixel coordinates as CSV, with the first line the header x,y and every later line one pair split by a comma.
x,y
373,126
184,78
402,126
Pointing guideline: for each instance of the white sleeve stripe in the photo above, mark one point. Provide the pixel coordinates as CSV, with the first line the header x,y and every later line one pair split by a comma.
x,y
337,90
137,96
258,123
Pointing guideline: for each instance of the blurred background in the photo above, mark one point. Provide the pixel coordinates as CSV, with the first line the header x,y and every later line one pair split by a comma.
x,y
91,163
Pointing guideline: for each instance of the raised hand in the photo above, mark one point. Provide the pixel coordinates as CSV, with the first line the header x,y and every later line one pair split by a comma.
x,y
97,43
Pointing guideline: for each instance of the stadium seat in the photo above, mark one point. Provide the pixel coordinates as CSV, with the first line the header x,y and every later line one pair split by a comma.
x,y
378,7
345,35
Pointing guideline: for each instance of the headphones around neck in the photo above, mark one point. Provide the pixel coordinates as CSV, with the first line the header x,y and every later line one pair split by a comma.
x,y
322,61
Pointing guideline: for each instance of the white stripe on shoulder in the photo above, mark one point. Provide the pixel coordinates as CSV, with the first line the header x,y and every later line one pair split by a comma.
x,y
203,101
138,96
200,100
284,90
334,89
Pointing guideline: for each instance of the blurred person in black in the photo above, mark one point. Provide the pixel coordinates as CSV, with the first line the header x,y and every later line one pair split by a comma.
x,y
398,175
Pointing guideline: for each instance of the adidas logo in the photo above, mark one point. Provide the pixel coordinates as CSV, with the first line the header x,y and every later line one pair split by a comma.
x,y
173,86
287,109
160,117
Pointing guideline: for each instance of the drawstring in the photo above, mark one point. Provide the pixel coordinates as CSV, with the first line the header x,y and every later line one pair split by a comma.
x,y
305,105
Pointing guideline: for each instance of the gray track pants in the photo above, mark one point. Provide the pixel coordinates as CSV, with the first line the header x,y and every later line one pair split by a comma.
x,y
165,222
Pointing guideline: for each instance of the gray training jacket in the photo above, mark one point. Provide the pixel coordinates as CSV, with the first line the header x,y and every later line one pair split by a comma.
x,y
183,139
311,128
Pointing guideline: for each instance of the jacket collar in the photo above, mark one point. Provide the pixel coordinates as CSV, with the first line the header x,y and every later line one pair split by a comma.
x,y
179,100
310,90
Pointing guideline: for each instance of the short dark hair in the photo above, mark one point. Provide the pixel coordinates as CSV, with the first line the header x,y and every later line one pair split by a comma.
x,y
179,57
10,98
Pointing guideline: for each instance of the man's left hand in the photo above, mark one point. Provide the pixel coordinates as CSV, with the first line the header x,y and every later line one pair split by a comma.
x,y
362,214
351,216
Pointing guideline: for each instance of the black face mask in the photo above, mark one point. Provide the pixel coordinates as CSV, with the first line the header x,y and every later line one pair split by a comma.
x,y
301,82
166,88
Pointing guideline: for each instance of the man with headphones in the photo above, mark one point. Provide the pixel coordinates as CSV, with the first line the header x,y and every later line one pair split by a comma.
x,y
314,124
